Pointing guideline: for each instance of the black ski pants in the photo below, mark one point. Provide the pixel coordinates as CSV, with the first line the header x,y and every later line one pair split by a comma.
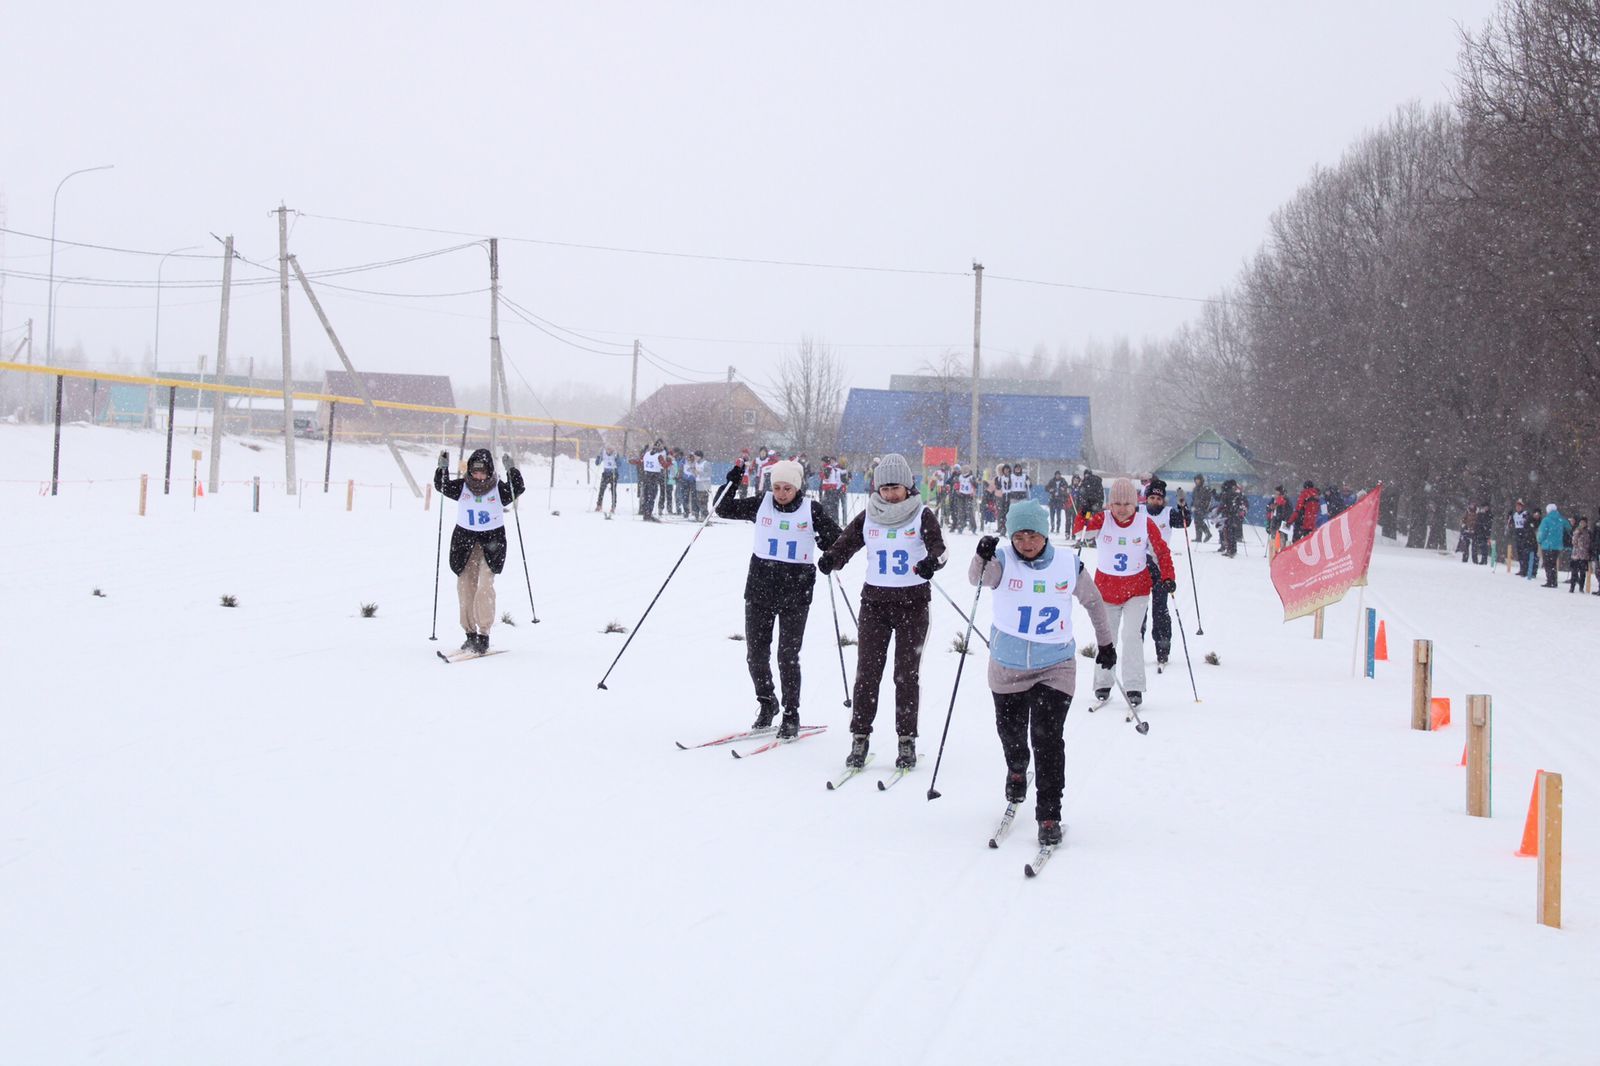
x,y
907,622
649,485
790,622
1039,715
607,477
1159,620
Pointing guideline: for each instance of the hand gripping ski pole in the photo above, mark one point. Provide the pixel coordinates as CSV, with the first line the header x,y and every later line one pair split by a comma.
x,y
966,642
710,511
506,460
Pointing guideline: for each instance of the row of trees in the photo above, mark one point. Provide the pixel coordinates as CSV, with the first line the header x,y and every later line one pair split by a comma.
x,y
1424,312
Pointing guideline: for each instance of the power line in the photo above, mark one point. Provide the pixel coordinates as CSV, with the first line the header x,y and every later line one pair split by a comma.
x,y
106,247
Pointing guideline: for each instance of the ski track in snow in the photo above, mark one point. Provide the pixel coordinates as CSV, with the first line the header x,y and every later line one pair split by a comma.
x,y
281,833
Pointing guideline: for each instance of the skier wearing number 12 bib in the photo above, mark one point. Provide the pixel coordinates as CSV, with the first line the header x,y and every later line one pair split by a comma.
x,y
777,587
1125,539
905,547
478,542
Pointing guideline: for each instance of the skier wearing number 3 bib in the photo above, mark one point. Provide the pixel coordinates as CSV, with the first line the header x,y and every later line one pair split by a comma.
x,y
905,547
478,542
777,588
1125,539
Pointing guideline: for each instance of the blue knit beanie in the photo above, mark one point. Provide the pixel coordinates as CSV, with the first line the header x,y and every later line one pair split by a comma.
x,y
1027,514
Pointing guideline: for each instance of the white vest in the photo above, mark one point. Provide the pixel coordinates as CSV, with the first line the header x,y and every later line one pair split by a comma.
x,y
651,463
1034,604
894,551
608,461
830,477
1122,551
480,513
784,536
1019,483
1163,520
964,484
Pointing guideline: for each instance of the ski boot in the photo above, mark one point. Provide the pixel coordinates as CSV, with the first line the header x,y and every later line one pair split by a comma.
x,y
1049,832
1016,786
768,711
789,728
1135,697
907,757
858,752
481,643
1101,695
471,643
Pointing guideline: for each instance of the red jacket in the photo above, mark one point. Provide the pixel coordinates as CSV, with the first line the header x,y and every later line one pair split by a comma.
x,y
1307,509
1120,588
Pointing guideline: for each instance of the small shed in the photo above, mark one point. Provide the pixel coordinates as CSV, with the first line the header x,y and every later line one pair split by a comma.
x,y
1211,454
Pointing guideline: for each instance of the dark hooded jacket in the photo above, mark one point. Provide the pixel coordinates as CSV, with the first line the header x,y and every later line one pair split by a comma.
x,y
493,541
769,582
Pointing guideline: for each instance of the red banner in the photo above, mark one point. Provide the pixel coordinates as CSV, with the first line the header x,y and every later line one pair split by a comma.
x,y
1318,570
932,457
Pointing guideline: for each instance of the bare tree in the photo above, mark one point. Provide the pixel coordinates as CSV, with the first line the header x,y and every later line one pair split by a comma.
x,y
811,393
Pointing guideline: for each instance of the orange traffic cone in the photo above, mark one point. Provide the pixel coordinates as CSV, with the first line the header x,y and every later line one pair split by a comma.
x,y
1439,712
1463,754
1380,650
1530,830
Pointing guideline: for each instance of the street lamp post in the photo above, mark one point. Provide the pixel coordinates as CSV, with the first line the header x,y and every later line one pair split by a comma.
x,y
50,325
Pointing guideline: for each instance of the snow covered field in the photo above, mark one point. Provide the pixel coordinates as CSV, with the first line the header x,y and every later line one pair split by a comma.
x,y
283,833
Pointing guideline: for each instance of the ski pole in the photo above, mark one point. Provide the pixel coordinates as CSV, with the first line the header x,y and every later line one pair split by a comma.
x,y
506,459
1187,661
1200,626
698,530
966,642
853,619
438,550
959,611
838,639
1141,726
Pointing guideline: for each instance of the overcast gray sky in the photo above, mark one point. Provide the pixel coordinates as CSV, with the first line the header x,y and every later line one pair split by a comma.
x,y
1135,147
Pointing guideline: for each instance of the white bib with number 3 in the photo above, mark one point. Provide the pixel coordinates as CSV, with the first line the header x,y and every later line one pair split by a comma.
x,y
480,513
894,551
1122,548
1034,604
786,536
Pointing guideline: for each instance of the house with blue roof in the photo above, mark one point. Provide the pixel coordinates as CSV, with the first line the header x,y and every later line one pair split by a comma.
x,y
1046,432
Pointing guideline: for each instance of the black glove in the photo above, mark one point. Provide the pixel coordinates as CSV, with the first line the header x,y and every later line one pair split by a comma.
x,y
826,564
925,568
735,476
986,547
1106,657
505,463
1169,586
444,460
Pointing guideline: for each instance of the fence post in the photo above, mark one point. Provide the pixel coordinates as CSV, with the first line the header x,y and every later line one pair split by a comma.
x,y
255,494
350,495
1421,682
427,497
1480,763
1372,642
1316,625
144,490
1549,902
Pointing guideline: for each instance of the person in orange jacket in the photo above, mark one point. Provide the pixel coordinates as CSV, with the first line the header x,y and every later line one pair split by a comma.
x,y
1125,540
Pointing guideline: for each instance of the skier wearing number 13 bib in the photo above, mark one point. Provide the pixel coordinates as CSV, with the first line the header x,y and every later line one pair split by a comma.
x,y
478,542
777,588
1125,539
905,547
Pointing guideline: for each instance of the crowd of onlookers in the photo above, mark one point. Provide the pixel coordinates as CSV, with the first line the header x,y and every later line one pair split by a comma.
x,y
1550,541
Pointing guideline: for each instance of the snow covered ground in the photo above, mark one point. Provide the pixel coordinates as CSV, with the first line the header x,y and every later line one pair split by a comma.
x,y
284,833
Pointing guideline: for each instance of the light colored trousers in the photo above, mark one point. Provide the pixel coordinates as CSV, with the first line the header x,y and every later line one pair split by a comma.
x,y
475,587
1129,617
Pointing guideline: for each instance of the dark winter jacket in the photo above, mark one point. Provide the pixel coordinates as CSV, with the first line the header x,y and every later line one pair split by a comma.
x,y
853,538
769,582
1094,492
462,540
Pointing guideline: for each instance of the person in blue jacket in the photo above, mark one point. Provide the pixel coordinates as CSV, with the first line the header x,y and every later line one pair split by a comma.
x,y
1553,531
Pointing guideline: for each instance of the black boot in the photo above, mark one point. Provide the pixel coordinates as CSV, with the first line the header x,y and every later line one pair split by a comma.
x,y
482,644
1101,695
1016,786
1049,832
471,643
790,727
907,757
1135,698
858,752
764,716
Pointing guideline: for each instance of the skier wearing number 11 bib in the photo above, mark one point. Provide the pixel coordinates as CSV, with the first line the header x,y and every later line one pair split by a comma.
x,y
904,549
478,542
1125,539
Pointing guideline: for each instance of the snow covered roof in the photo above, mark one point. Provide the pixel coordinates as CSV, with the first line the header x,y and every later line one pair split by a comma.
x,y
1009,426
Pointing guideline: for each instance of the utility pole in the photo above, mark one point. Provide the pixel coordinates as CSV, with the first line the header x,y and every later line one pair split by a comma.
x,y
977,349
633,401
495,398
219,398
288,375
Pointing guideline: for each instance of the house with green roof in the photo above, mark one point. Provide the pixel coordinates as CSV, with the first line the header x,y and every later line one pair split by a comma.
x,y
1215,456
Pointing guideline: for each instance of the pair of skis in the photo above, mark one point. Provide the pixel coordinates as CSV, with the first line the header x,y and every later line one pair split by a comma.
x,y
897,775
806,731
1003,830
468,656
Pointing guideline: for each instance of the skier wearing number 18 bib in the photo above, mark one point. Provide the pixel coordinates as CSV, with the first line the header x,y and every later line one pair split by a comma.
x,y
478,542
905,547
1125,539
777,588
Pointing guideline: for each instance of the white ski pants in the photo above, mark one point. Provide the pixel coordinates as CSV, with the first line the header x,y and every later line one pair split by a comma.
x,y
1129,619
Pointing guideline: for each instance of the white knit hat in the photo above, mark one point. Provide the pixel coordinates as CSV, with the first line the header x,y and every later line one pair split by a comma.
x,y
789,472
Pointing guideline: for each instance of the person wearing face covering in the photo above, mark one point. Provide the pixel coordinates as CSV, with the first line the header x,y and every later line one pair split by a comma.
x,y
1125,540
478,541
904,549
1031,651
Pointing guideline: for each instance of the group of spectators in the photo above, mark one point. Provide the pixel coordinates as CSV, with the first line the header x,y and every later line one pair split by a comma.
x,y
1551,540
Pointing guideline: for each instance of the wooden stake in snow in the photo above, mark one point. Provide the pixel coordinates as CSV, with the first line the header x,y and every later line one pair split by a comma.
x,y
350,495
144,490
1316,625
1479,716
1549,899
1421,682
